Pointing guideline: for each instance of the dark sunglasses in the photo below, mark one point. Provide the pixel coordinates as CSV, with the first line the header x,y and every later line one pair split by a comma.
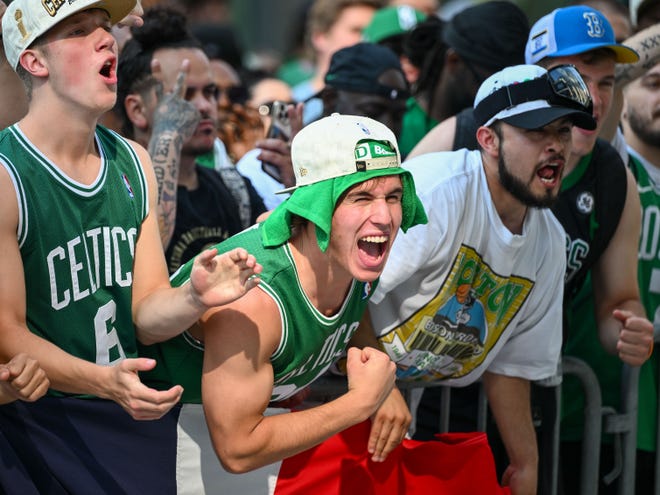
x,y
560,86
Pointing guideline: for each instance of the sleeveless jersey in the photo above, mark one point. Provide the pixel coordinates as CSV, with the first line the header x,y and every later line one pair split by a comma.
x,y
584,341
310,341
649,284
77,243
649,247
589,208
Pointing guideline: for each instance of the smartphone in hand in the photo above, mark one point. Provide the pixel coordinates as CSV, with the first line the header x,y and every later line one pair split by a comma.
x,y
280,128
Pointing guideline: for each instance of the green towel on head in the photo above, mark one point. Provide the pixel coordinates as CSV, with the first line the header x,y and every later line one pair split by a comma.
x,y
316,203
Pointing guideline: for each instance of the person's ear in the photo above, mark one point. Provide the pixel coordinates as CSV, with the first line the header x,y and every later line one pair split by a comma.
x,y
34,62
136,111
489,141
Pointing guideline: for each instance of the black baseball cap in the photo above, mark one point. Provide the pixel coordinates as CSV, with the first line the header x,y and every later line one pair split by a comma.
x,y
357,68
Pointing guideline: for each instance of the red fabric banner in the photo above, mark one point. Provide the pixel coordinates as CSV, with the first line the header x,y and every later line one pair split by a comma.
x,y
454,464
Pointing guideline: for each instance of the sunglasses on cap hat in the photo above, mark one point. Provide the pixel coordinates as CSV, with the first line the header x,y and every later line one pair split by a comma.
x,y
561,86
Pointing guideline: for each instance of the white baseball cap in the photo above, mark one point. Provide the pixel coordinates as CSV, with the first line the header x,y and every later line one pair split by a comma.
x,y
25,20
530,97
340,145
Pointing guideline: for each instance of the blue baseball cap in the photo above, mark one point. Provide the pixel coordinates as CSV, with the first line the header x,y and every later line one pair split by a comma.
x,y
571,31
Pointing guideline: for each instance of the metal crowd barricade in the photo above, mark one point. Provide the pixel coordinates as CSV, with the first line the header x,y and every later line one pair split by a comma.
x,y
592,422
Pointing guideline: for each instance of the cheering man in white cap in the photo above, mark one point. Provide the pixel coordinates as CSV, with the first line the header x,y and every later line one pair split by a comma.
x,y
477,291
322,251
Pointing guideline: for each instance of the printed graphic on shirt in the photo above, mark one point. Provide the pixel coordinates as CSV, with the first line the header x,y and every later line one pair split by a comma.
x,y
452,334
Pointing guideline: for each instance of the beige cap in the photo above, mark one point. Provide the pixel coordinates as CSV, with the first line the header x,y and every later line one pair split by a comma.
x,y
26,20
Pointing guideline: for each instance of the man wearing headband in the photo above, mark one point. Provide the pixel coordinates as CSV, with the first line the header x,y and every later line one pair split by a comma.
x,y
322,251
476,293
83,272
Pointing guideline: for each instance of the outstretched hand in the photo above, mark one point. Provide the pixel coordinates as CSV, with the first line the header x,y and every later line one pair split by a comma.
x,y
141,402
218,279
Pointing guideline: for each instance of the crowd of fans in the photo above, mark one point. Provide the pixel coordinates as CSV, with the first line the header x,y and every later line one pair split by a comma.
x,y
199,235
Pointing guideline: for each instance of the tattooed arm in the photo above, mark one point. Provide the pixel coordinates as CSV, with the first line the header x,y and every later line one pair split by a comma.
x,y
647,44
175,120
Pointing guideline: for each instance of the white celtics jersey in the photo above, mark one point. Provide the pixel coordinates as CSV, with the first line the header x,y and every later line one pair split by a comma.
x,y
463,294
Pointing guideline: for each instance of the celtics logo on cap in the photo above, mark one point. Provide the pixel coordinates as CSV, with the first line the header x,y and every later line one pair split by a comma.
x,y
371,155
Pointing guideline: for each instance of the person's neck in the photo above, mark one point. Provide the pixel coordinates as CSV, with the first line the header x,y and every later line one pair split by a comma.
x,y
649,152
324,284
571,164
322,66
67,141
188,177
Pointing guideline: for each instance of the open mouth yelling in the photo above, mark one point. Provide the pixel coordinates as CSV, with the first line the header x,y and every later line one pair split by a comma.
x,y
372,249
550,174
108,72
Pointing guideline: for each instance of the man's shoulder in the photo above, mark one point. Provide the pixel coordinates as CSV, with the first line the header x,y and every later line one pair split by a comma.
x,y
604,154
444,163
551,225
5,137
440,170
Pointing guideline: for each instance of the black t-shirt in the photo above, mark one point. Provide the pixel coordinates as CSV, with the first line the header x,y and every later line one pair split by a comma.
x,y
207,216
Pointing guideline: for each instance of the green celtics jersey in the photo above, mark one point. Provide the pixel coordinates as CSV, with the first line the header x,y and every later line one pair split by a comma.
x,y
586,345
649,286
310,341
77,243
649,246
